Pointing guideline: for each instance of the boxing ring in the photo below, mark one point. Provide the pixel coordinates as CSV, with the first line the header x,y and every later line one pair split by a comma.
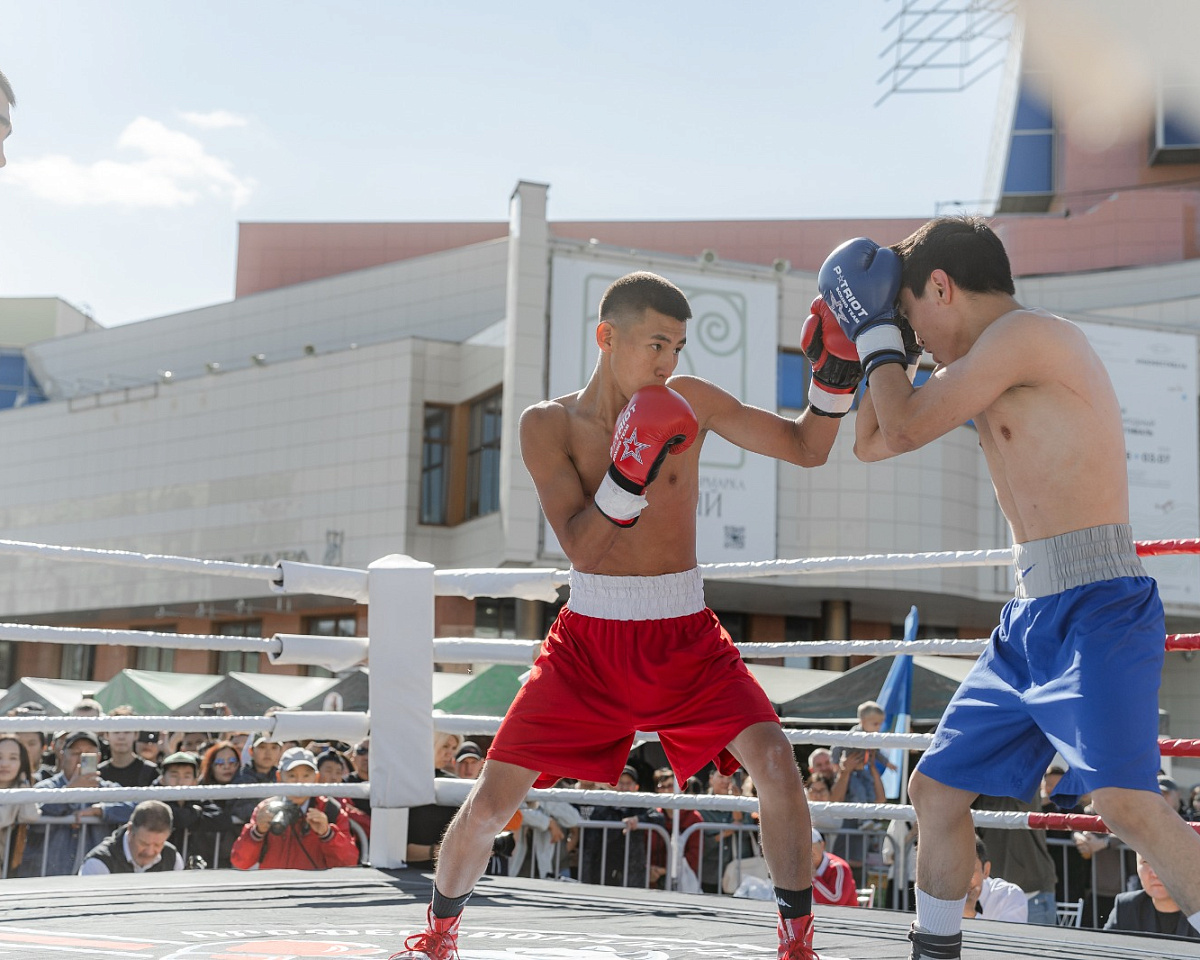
x,y
367,912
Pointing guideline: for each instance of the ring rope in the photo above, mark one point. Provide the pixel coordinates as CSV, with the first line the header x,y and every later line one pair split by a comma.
x,y
225,791
138,638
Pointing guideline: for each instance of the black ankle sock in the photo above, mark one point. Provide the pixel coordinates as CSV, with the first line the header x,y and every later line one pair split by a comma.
x,y
794,903
444,907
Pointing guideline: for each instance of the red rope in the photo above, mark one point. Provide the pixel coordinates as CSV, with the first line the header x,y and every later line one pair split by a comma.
x,y
1179,748
1163,548
1075,821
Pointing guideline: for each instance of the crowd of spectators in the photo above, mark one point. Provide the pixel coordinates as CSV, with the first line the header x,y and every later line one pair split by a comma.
x,y
58,838
1017,877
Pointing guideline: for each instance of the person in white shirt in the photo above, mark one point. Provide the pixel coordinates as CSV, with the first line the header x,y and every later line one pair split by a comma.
x,y
140,846
991,898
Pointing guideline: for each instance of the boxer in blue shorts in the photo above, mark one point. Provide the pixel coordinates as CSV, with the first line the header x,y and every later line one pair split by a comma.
x,y
1075,664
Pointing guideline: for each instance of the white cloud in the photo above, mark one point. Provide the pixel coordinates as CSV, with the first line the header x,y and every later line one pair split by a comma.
x,y
176,171
214,119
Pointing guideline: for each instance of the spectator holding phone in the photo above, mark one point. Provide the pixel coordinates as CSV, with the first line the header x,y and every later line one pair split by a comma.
x,y
264,759
79,767
859,780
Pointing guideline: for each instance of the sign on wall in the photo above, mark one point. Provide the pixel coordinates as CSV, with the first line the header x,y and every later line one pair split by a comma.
x,y
1154,374
732,340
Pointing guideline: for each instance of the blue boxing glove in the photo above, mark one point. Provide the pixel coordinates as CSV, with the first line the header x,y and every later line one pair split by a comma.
x,y
860,281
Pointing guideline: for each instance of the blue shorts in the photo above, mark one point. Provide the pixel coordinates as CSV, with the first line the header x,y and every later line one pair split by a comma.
x,y
1075,672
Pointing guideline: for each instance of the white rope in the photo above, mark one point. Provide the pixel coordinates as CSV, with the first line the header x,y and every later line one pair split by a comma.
x,y
125,558
522,652
137,638
524,583
952,646
860,738
451,792
49,724
873,561
227,791
473,650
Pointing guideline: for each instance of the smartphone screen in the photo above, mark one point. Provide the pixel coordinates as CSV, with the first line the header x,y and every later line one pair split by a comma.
x,y
89,763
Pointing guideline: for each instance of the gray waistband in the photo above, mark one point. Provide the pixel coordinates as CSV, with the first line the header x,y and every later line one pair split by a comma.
x,y
636,598
1046,567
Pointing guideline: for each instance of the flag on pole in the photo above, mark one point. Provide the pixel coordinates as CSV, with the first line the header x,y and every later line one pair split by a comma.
x,y
896,699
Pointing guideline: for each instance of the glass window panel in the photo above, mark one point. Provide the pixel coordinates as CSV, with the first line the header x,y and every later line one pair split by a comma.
x,y
1030,164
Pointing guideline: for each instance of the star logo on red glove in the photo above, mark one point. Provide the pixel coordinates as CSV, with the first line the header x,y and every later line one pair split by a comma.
x,y
632,448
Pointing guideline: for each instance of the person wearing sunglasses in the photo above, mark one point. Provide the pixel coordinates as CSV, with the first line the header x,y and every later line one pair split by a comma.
x,y
219,765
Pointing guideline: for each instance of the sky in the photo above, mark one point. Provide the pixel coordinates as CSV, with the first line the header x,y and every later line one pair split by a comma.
x,y
145,131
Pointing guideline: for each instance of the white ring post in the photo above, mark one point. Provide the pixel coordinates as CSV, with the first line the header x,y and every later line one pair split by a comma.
x,y
400,624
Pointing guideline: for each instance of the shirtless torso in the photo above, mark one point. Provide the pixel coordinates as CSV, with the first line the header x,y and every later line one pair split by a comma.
x,y
565,444
1048,420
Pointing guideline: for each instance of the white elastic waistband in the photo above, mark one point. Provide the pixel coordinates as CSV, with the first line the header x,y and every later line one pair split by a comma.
x,y
636,598
1050,566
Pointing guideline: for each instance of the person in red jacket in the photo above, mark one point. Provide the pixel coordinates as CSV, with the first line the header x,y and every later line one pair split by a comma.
x,y
833,880
301,833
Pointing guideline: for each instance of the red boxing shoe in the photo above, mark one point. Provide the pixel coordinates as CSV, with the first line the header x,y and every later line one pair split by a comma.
x,y
795,939
439,941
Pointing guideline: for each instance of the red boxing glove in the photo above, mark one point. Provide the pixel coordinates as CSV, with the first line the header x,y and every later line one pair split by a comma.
x,y
656,421
836,372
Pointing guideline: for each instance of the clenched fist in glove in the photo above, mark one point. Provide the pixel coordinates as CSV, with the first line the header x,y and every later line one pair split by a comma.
x,y
860,281
656,421
836,372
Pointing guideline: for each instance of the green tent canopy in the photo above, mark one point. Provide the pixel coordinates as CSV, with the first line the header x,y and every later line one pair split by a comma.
x,y
155,693
488,693
57,696
934,681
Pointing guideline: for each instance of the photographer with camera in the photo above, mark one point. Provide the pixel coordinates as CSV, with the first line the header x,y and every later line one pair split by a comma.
x,y
301,833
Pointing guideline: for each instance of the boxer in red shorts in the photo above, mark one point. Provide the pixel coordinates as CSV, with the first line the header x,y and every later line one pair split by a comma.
x,y
616,467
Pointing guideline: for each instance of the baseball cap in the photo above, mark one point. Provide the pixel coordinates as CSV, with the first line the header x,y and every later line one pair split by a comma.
x,y
295,757
75,735
816,836
181,757
469,748
267,738
629,771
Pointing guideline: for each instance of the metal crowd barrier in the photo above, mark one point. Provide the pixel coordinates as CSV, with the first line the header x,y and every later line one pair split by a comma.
x,y
83,847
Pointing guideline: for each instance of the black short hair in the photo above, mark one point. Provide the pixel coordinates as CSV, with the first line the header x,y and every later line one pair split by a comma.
x,y
629,297
965,247
152,815
981,851
6,90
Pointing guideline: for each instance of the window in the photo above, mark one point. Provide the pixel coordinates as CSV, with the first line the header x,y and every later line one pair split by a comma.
x,y
483,456
799,630
1029,170
1176,132
239,661
78,661
155,658
343,625
735,625
435,464
495,617
792,379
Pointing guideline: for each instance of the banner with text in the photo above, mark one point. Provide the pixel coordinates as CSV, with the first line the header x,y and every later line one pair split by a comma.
x,y
1154,374
732,340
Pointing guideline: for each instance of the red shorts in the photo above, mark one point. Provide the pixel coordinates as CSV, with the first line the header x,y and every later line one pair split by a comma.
x,y
598,681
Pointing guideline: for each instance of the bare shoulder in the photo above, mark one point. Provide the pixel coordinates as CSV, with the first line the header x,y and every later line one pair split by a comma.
x,y
548,416
705,396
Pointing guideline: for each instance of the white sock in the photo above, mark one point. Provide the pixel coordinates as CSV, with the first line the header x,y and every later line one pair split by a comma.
x,y
942,918
1194,920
